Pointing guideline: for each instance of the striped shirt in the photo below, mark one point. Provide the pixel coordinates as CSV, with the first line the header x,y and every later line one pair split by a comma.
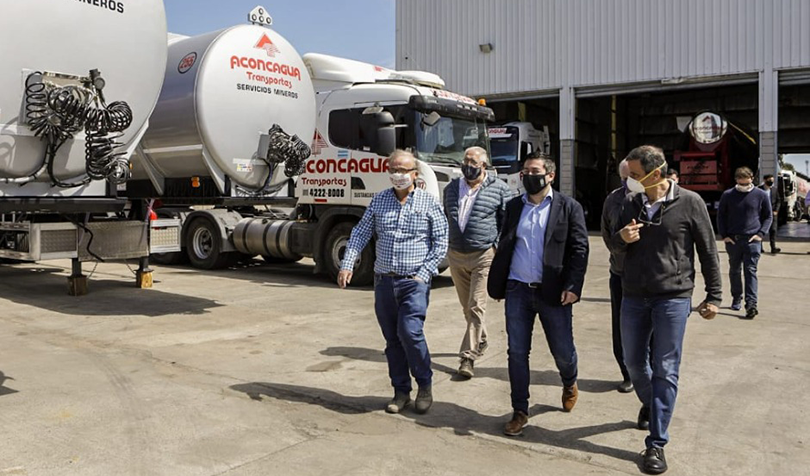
x,y
411,237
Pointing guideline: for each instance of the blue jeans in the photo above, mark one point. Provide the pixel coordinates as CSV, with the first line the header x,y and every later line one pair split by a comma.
x,y
745,255
656,385
401,306
523,304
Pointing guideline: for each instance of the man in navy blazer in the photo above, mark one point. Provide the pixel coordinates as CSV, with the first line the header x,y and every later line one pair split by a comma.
x,y
539,268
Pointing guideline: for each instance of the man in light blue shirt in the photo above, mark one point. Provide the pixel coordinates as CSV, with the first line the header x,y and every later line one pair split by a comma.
x,y
539,268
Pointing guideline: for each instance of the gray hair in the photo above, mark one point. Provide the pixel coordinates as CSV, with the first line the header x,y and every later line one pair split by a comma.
x,y
399,153
479,153
548,161
624,169
650,156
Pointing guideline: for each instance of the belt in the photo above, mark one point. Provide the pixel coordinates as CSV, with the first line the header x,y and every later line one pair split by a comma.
x,y
534,285
394,275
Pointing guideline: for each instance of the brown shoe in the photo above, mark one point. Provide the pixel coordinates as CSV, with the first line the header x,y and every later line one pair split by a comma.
x,y
569,397
516,425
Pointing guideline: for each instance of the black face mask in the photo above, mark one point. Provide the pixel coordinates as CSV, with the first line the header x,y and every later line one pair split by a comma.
x,y
534,183
769,182
470,173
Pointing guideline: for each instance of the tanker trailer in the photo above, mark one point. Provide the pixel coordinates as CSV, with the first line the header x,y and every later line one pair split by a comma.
x,y
78,83
229,133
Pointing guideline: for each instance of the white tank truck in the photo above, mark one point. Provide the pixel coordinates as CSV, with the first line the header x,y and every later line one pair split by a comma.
x,y
511,143
78,82
245,127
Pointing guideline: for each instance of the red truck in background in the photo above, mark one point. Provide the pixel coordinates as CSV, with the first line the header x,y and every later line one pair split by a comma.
x,y
711,153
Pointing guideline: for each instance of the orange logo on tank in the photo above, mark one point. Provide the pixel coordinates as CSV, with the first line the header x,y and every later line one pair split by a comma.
x,y
267,45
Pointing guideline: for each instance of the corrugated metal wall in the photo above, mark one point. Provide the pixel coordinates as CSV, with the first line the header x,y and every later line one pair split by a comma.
x,y
548,44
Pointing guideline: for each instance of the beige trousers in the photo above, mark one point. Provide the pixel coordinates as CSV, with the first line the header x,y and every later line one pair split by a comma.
x,y
470,272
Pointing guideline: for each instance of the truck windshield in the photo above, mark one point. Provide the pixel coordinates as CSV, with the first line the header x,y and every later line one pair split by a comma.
x,y
446,140
504,144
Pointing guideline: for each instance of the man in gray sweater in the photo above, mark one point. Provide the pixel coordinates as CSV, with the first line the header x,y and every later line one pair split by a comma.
x,y
660,228
475,205
611,212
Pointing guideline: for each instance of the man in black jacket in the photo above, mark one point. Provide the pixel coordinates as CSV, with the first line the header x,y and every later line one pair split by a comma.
x,y
539,268
660,228
768,185
475,206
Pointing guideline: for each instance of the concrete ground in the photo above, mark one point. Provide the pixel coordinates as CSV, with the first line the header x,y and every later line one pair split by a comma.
x,y
267,369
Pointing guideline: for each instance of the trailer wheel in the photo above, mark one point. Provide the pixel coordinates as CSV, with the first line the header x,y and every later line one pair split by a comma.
x,y
336,242
204,246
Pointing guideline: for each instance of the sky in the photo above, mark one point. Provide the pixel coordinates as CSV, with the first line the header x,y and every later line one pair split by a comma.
x,y
358,29
800,161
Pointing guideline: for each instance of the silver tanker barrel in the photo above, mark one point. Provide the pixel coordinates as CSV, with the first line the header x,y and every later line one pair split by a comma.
x,y
232,128
234,104
78,83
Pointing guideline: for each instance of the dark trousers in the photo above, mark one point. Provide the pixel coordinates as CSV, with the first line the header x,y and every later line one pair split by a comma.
x,y
523,304
656,378
743,256
616,322
401,306
772,233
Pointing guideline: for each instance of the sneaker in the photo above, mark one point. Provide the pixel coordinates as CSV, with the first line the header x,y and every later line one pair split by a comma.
x,y
751,312
654,461
643,422
424,399
736,304
516,425
625,387
466,368
569,397
482,347
399,402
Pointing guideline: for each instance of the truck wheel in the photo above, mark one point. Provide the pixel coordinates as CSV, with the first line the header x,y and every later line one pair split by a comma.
x,y
335,248
204,245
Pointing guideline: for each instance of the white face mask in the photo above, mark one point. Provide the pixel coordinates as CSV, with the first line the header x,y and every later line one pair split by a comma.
x,y
745,188
401,181
636,186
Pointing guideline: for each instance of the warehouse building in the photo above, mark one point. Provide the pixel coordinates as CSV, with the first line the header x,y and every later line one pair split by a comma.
x,y
607,75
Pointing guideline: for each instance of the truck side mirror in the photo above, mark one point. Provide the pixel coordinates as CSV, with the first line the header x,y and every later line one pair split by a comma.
x,y
525,150
386,141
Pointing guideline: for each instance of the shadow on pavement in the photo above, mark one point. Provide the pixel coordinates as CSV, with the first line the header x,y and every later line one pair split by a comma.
x,y
3,389
538,377
463,421
46,288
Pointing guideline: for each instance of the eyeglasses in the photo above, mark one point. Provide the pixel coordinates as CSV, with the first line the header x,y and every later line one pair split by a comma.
x,y
400,171
473,163
642,216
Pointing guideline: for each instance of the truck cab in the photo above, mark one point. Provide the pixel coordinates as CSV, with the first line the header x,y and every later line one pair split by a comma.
x,y
360,106
511,143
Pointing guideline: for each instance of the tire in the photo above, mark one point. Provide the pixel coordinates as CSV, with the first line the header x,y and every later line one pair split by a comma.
x,y
333,252
204,246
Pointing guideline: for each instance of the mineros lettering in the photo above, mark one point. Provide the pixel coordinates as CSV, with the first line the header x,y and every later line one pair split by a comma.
x,y
112,5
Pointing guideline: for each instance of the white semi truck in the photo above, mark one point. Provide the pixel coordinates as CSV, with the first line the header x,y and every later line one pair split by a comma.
x,y
78,83
246,127
511,143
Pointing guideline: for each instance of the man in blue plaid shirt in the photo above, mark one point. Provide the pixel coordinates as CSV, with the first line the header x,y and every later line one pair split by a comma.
x,y
411,234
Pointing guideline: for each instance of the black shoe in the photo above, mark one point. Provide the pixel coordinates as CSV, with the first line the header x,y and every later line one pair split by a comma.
x,y
399,402
424,399
654,461
625,387
643,418
751,312
775,250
